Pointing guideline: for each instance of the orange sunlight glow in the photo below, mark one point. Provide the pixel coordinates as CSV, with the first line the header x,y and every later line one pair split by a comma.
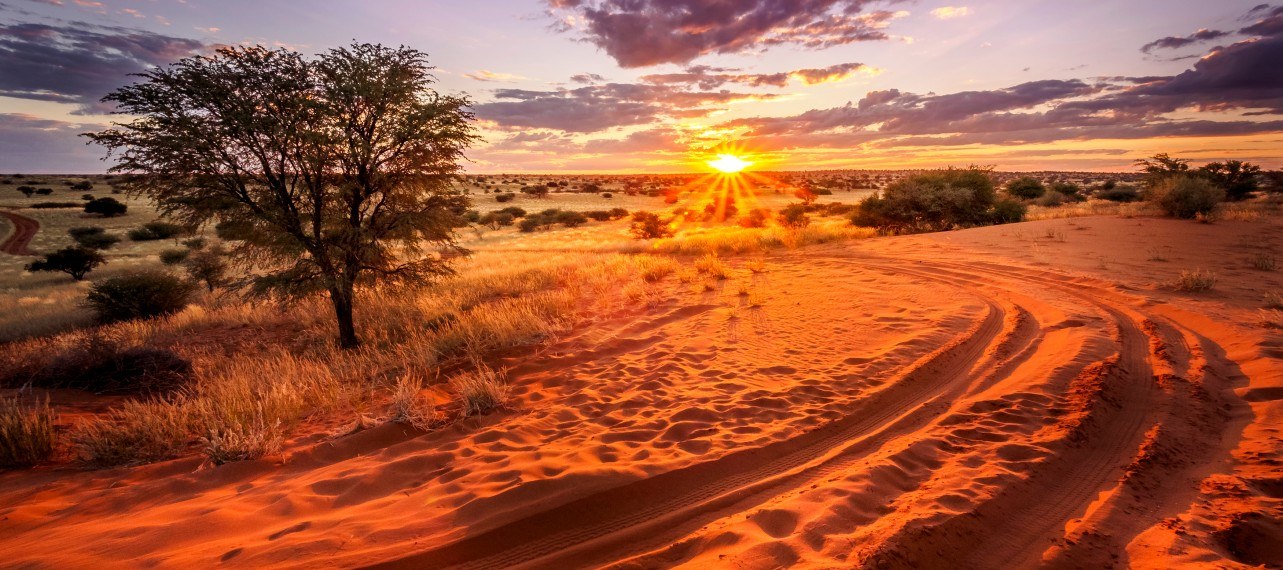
x,y
729,163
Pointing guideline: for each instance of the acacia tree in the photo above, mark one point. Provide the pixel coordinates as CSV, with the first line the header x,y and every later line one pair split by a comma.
x,y
337,170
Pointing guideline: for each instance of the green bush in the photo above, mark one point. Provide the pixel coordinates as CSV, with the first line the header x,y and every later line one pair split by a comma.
x,y
1008,212
529,224
571,219
93,237
505,197
152,231
514,211
934,201
794,216
1119,194
647,225
106,207
174,256
598,215
1185,196
139,295
1026,188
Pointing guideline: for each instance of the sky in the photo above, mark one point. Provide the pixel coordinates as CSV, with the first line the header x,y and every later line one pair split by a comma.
x,y
656,86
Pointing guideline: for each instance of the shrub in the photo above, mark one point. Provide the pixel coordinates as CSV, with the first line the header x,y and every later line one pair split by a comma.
x,y
755,218
618,213
1069,190
44,191
26,190
139,295
152,231
607,195
481,391
26,433
234,230
514,211
505,197
794,216
1186,196
1026,188
106,207
1195,281
539,191
529,224
497,220
647,225
55,205
571,219
93,237
1119,194
207,267
598,215
1008,211
74,261
1051,199
83,186
174,256
195,244
931,201
87,197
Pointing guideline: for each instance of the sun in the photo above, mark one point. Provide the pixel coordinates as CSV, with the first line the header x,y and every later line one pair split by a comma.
x,y
729,163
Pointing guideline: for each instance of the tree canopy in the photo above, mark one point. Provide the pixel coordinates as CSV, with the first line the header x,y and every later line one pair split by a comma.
x,y
337,169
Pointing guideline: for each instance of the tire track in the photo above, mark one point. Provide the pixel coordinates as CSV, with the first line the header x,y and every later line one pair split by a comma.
x,y
24,229
607,523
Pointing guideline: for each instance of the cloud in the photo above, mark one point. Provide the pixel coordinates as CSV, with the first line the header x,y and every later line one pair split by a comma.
x,y
950,12
35,145
711,77
1175,42
597,108
640,33
80,65
492,76
587,78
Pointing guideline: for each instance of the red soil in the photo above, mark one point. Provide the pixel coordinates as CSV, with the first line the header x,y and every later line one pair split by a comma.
x,y
978,399
24,229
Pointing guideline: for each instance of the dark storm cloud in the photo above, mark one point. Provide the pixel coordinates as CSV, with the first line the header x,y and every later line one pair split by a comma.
x,y
711,78
639,33
599,107
79,63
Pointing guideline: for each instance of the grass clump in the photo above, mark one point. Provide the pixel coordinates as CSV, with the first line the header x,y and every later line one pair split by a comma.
x,y
26,433
243,441
138,432
1195,281
713,266
1265,262
410,406
481,391
1274,300
139,295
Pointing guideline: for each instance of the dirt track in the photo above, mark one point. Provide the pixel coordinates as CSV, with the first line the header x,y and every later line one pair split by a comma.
x,y
24,229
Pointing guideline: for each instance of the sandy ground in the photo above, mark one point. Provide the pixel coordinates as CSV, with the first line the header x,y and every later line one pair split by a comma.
x,y
999,397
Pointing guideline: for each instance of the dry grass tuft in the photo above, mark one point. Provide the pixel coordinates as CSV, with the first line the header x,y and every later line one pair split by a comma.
x,y
1195,281
1265,262
1272,318
137,432
481,391
26,433
713,266
410,405
246,441
1274,300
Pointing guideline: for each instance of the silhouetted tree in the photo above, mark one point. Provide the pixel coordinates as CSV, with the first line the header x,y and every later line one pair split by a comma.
x,y
1236,177
74,261
339,168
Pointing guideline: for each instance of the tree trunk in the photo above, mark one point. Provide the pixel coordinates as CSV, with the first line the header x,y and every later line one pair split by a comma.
x,y
342,298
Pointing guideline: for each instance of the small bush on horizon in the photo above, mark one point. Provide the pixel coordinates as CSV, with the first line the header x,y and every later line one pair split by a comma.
x,y
1026,188
936,201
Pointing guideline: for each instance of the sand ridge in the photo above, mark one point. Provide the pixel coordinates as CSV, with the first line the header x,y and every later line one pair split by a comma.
x,y
898,402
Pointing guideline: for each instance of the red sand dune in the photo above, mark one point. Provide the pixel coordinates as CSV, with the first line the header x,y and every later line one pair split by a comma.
x,y
986,398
